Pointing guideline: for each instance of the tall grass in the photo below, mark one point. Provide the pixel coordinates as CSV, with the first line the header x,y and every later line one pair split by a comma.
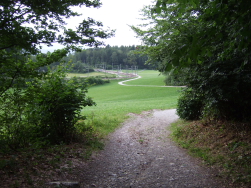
x,y
115,101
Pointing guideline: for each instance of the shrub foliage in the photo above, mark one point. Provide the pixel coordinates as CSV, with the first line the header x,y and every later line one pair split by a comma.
x,y
44,112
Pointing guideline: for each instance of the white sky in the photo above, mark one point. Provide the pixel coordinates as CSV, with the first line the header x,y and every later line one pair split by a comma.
x,y
115,14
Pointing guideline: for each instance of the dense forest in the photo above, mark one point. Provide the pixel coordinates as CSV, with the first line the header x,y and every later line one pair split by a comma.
x,y
109,57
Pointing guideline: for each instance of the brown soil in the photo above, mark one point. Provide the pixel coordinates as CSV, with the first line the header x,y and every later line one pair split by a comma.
x,y
140,154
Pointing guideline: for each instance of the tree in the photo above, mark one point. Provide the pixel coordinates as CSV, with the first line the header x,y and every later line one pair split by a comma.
x,y
110,56
25,26
114,58
210,39
222,27
131,58
48,18
161,38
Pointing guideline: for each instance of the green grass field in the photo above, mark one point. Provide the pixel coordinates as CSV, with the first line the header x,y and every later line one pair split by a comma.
x,y
149,77
115,101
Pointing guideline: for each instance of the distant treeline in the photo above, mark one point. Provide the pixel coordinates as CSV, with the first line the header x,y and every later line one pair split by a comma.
x,y
109,57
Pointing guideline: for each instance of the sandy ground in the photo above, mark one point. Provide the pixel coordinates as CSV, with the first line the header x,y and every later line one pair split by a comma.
x,y
140,154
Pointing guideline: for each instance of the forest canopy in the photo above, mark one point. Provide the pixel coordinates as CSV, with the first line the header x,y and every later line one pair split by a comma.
x,y
109,57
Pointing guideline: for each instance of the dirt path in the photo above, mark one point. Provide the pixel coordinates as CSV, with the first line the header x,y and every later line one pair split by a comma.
x,y
140,154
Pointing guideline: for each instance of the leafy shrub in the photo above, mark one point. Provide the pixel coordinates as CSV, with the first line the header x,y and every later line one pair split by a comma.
x,y
174,78
190,105
13,119
89,81
225,87
43,112
56,107
96,81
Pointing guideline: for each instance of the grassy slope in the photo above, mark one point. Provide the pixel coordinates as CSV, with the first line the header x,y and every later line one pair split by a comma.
x,y
149,78
114,101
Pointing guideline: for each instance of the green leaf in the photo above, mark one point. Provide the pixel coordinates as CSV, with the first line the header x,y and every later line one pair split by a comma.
x,y
158,10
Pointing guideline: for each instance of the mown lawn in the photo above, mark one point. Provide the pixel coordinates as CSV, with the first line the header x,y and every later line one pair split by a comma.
x,y
115,101
149,77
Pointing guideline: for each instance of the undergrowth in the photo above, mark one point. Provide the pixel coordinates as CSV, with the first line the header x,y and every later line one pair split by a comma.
x,y
224,145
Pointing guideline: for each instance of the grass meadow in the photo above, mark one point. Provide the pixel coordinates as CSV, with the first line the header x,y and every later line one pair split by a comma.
x,y
115,101
149,78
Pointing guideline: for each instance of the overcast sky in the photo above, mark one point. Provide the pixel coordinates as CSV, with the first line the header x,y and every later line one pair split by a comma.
x,y
115,14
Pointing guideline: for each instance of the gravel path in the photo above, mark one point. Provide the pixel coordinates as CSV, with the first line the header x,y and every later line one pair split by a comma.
x,y
140,154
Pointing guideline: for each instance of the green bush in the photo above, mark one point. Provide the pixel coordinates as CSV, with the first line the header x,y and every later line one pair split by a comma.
x,y
190,105
56,107
43,112
89,81
14,126
174,78
96,81
225,87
